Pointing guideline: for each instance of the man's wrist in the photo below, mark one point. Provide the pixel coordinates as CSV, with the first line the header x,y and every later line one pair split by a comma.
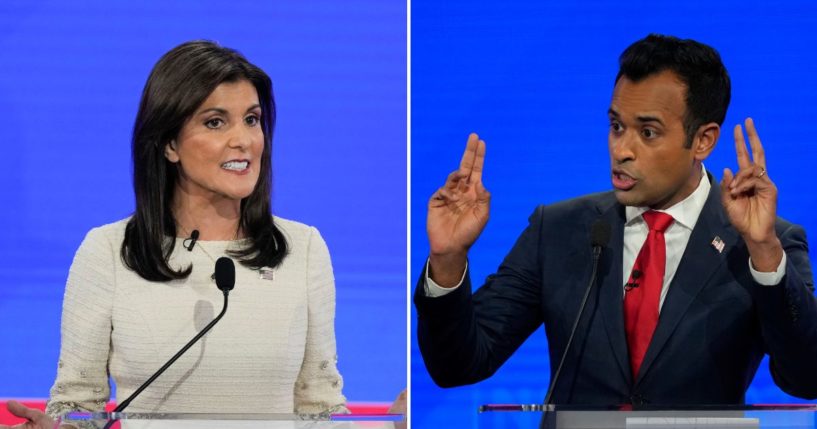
x,y
765,257
446,269
769,278
433,290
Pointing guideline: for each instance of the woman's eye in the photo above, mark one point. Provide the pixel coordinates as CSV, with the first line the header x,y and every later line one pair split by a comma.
x,y
214,123
252,120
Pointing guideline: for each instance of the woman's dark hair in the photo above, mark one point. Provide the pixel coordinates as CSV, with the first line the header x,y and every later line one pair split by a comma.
x,y
178,84
699,66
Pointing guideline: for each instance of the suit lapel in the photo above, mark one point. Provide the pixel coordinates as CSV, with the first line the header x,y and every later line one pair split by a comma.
x,y
611,290
697,265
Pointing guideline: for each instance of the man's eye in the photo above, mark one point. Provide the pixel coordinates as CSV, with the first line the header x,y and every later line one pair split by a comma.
x,y
648,133
615,126
214,123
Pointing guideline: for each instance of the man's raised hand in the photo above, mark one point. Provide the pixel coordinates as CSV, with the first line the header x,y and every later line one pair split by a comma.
x,y
457,214
750,200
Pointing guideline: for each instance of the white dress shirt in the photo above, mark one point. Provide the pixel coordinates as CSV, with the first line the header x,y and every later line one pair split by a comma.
x,y
676,237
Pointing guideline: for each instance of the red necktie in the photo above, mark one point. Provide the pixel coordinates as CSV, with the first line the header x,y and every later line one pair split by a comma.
x,y
643,290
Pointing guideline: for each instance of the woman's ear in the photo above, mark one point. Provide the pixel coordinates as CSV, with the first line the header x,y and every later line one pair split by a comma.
x,y
170,152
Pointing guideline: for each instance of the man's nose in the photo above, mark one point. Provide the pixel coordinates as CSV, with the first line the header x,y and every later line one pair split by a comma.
x,y
621,148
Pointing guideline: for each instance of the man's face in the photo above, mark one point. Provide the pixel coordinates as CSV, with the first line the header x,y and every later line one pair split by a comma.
x,y
650,165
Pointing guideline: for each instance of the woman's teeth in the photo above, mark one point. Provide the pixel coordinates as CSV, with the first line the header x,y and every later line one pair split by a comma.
x,y
235,165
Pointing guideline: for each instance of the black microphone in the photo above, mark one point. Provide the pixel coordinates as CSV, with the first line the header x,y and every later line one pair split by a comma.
x,y
599,236
225,280
189,242
634,284
225,276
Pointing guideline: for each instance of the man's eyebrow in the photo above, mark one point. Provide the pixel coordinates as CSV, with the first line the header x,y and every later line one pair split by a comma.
x,y
644,118
650,119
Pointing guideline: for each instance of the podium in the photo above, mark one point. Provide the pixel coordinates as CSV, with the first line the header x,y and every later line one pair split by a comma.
x,y
229,421
648,416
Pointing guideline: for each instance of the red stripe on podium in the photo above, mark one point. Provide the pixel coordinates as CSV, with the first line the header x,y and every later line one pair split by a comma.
x,y
6,418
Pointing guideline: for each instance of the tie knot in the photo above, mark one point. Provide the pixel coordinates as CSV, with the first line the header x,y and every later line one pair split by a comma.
x,y
657,221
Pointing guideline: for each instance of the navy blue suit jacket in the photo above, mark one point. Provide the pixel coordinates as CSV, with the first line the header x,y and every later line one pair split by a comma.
x,y
714,328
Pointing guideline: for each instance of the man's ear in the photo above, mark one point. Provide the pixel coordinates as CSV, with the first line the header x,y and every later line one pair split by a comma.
x,y
705,139
170,152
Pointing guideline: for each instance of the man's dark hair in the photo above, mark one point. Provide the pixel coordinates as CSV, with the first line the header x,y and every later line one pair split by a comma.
x,y
697,65
179,83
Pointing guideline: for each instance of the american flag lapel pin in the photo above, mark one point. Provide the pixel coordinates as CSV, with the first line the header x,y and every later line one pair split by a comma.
x,y
267,273
718,244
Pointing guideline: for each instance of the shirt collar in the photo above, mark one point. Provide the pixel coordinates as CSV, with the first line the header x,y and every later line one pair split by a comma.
x,y
684,213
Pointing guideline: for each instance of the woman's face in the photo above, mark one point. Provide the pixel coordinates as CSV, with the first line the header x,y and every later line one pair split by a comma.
x,y
218,151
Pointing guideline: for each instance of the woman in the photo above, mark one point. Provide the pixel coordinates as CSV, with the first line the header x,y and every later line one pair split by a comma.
x,y
140,288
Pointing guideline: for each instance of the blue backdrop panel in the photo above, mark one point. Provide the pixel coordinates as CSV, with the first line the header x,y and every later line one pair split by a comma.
x,y
70,79
534,79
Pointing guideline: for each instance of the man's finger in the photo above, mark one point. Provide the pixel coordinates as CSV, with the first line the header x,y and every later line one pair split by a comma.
x,y
726,181
437,200
749,186
744,187
448,195
740,149
741,175
753,172
470,154
453,179
483,196
479,162
758,155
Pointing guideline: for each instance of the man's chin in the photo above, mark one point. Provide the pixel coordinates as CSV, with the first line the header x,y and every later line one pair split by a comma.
x,y
628,198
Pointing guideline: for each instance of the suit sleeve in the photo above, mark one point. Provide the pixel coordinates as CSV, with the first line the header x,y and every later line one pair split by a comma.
x,y
788,318
465,338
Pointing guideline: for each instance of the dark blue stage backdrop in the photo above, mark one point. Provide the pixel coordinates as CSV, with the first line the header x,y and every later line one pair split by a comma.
x,y
71,74
534,79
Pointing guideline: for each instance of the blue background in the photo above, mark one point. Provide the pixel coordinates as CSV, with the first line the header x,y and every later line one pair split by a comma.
x,y
71,74
534,79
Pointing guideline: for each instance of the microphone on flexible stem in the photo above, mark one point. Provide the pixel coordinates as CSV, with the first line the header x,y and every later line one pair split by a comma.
x,y
599,236
189,242
225,280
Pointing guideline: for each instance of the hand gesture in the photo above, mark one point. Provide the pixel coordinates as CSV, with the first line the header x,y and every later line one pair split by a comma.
x,y
458,211
750,200
36,418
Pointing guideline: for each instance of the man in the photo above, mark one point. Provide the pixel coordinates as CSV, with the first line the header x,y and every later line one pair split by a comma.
x,y
698,280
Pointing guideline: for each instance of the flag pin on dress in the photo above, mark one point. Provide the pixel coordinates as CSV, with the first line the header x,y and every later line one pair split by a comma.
x,y
267,273
718,244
